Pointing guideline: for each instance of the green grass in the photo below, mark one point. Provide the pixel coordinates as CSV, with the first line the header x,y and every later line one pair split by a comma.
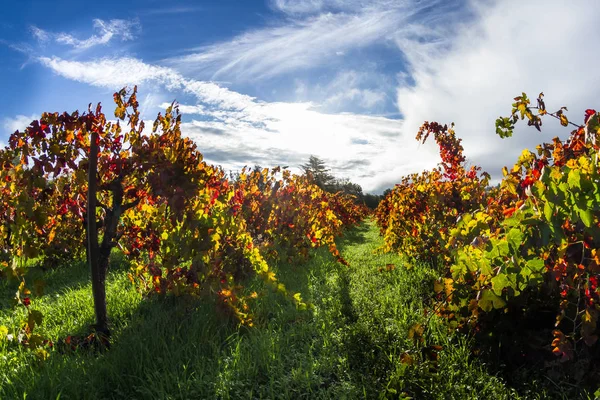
x,y
349,346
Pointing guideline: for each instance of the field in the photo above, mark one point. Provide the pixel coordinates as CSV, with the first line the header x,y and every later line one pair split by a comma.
x,y
351,346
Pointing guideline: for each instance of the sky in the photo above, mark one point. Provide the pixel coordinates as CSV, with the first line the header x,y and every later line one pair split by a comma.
x,y
271,82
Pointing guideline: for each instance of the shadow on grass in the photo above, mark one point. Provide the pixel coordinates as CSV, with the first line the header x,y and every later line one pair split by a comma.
x,y
149,355
72,274
355,235
180,348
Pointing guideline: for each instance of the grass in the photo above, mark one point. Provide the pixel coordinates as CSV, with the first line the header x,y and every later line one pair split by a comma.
x,y
354,343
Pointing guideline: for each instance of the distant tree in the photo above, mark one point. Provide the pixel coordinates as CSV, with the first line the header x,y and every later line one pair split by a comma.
x,y
316,170
372,200
346,186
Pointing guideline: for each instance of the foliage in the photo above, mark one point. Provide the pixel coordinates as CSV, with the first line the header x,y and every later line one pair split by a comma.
x,y
318,173
515,253
415,216
185,227
372,200
539,234
291,213
345,186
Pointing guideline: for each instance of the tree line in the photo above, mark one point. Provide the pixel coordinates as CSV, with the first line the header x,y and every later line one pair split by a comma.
x,y
318,172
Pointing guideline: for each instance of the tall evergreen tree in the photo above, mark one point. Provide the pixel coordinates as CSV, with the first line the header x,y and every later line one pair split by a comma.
x,y
315,168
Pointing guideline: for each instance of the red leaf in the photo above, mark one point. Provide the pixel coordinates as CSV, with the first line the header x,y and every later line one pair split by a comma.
x,y
588,114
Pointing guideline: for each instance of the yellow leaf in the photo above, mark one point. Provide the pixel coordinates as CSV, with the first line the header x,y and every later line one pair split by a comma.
x,y
448,286
416,331
406,358
563,120
51,235
3,332
42,354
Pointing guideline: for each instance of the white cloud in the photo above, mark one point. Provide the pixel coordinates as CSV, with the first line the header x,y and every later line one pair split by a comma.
x,y
465,73
105,32
366,149
239,130
109,72
350,88
171,9
471,78
313,40
40,34
301,88
355,91
298,7
19,122
185,109
116,73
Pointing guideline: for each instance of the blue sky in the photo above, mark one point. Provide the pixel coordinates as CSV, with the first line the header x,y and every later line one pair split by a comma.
x,y
272,82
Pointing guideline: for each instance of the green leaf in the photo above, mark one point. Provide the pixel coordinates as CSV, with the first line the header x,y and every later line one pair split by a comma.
x,y
489,301
574,179
530,221
515,239
522,283
499,248
558,234
499,282
538,187
544,231
536,265
548,211
586,217
504,127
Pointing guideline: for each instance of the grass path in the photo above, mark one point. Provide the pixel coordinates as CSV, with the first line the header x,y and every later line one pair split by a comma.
x,y
353,344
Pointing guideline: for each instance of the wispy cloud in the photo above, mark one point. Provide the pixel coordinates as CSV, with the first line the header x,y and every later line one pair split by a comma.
x,y
40,34
349,90
170,10
105,32
466,72
115,73
298,7
310,41
19,122
257,132
352,88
